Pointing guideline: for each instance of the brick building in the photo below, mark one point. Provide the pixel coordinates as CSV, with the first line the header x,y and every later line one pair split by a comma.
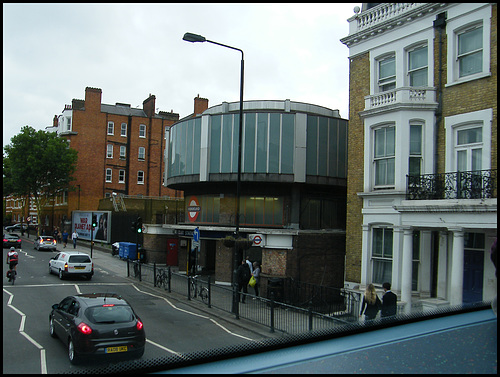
x,y
120,150
421,190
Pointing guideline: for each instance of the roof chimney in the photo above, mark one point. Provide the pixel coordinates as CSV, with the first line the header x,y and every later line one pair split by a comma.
x,y
200,105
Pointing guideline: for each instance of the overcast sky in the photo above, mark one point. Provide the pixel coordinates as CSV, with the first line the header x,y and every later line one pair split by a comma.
x,y
52,52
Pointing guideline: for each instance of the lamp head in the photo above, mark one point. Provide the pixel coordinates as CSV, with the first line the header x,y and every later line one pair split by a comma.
x,y
190,37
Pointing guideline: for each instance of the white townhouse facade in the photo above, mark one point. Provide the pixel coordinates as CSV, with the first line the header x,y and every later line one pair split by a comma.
x,y
422,178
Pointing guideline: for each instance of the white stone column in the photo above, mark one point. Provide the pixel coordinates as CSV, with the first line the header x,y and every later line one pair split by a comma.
x,y
425,273
406,268
442,278
365,254
457,267
397,252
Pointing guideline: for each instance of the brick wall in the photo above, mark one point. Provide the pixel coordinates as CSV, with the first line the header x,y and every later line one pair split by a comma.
x,y
473,95
223,259
359,87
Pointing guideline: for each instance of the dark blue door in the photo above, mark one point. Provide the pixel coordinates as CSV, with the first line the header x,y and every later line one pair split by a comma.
x,y
473,276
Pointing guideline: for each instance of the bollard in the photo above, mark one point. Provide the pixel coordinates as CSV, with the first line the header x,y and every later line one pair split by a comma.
x,y
310,312
272,312
169,276
209,293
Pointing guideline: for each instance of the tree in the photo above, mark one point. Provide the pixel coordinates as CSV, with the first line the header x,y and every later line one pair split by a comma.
x,y
38,164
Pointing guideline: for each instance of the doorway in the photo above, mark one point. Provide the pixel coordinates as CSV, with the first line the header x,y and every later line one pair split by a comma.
x,y
473,267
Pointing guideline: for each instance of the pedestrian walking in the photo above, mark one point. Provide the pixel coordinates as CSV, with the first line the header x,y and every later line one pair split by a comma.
x,y
242,278
371,303
389,301
256,275
249,264
65,236
74,237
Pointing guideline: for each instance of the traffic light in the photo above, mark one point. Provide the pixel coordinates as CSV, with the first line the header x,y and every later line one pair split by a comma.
x,y
134,226
139,225
94,221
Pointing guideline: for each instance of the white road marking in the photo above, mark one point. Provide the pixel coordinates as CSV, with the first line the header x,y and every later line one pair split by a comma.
x,y
195,314
77,288
43,361
165,348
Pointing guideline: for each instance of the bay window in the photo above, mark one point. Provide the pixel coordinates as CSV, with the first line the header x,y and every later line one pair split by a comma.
x,y
382,255
384,156
387,73
417,66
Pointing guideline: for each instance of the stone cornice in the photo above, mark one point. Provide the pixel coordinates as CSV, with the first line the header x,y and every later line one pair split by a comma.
x,y
372,24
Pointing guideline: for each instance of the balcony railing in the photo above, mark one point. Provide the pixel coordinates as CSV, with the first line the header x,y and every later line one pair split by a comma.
x,y
479,184
382,13
409,96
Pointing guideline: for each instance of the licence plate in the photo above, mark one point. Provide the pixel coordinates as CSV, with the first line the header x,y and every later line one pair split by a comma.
x,y
116,349
79,267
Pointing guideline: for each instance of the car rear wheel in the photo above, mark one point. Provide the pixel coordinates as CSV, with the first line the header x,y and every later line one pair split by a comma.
x,y
61,276
72,355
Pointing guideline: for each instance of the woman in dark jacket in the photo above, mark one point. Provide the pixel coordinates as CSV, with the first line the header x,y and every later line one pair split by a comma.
x,y
371,303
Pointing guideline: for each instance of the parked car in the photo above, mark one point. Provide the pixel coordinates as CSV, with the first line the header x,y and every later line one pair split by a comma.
x,y
45,242
12,228
74,263
10,240
97,324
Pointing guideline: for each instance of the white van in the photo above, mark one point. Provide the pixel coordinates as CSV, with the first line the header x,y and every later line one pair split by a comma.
x,y
71,263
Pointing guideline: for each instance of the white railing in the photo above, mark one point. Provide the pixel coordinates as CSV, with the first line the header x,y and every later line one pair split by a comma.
x,y
382,13
403,95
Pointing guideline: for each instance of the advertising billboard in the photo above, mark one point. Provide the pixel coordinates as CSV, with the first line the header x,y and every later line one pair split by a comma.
x,y
82,224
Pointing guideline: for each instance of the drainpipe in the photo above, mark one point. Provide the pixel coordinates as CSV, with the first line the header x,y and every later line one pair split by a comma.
x,y
439,24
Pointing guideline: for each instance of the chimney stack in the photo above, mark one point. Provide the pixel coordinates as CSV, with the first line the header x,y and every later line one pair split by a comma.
x,y
200,105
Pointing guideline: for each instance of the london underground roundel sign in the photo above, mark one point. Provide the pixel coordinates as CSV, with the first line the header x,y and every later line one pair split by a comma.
x,y
193,209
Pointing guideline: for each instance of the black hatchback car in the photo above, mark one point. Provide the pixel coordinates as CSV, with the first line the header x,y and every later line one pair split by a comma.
x,y
97,324
11,240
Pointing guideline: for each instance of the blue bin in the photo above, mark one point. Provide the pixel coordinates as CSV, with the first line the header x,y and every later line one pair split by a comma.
x,y
127,250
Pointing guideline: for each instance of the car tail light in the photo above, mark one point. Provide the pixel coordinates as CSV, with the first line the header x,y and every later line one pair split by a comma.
x,y
139,325
66,267
84,328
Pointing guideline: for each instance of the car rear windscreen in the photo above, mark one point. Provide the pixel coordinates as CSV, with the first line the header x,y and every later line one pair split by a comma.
x,y
110,314
79,259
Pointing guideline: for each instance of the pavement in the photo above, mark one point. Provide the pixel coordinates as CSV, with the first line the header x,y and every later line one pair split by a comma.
x,y
103,258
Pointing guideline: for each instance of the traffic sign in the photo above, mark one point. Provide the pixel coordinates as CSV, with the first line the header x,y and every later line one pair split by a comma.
x,y
258,239
196,235
193,209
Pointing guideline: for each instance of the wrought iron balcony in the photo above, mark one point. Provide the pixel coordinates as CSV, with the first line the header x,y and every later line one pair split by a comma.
x,y
479,184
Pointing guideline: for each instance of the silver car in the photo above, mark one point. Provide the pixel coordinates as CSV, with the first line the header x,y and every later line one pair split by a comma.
x,y
45,243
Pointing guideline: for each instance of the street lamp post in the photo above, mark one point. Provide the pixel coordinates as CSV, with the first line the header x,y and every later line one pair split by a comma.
x,y
190,37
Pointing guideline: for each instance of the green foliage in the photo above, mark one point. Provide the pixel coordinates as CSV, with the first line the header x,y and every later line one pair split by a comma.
x,y
37,163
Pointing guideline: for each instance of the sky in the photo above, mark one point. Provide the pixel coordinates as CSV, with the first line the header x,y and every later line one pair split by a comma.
x,y
52,52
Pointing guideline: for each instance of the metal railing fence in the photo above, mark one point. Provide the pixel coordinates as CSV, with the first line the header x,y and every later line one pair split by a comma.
x,y
275,314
